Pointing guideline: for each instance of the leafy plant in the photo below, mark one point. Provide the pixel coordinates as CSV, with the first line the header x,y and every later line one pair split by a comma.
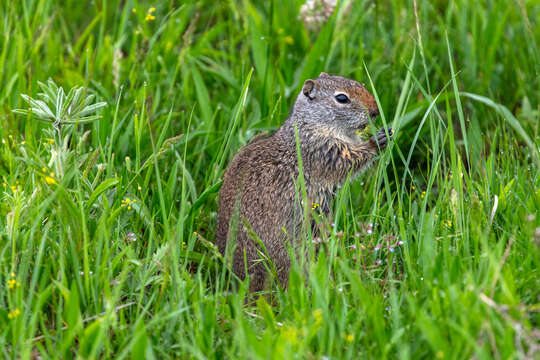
x,y
59,109
55,107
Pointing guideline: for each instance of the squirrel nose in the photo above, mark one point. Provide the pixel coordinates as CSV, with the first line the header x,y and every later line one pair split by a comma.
x,y
374,113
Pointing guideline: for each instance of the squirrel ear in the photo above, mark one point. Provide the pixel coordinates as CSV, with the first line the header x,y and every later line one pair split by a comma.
x,y
309,89
323,74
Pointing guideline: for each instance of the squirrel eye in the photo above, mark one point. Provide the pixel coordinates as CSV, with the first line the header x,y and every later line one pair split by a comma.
x,y
342,98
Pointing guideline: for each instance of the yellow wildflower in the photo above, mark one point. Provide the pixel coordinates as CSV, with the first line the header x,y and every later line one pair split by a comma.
x,y
149,17
134,10
50,179
151,10
349,337
127,203
12,283
288,40
13,314
50,141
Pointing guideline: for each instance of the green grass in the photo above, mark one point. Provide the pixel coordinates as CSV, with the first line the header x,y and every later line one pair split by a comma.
x,y
83,276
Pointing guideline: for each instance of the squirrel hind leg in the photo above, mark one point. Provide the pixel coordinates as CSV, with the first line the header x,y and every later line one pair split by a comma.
x,y
257,281
261,280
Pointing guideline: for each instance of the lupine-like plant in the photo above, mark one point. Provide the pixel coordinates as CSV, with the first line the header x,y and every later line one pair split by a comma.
x,y
59,109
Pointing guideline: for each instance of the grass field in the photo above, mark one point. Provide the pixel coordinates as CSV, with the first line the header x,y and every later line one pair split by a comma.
x,y
107,226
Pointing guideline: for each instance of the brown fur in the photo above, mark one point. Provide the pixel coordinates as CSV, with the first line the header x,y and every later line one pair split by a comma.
x,y
259,192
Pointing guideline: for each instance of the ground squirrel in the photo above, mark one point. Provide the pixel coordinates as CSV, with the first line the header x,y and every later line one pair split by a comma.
x,y
260,184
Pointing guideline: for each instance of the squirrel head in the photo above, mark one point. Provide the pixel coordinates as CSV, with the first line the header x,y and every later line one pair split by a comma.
x,y
338,104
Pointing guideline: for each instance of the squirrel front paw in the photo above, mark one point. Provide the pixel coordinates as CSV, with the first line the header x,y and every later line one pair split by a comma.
x,y
381,140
